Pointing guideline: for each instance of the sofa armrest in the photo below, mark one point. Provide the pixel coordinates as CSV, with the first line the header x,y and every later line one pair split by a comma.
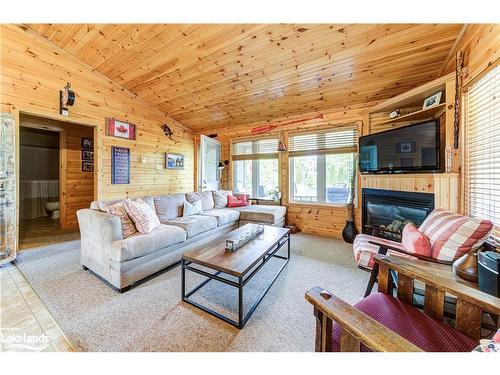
x,y
357,326
100,227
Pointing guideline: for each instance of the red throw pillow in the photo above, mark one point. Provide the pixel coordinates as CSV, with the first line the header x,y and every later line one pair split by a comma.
x,y
415,242
243,197
233,201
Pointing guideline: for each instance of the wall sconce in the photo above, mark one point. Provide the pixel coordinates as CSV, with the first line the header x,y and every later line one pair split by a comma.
x,y
222,164
66,99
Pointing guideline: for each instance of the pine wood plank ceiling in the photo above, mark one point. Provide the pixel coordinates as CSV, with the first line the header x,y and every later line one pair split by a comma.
x,y
210,76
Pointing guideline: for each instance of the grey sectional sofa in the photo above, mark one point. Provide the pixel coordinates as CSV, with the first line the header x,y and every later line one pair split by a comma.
x,y
123,262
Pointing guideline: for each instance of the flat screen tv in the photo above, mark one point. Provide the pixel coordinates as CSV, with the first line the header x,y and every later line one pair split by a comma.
x,y
409,149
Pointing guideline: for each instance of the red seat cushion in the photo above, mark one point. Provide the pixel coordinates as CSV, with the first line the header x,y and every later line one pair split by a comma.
x,y
410,323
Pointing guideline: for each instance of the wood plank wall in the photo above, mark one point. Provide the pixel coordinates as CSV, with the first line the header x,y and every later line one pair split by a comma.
x,y
34,70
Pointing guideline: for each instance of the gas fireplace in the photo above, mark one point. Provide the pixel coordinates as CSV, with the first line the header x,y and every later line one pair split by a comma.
x,y
386,212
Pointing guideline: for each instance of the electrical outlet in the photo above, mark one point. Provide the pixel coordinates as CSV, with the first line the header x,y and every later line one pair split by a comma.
x,y
143,159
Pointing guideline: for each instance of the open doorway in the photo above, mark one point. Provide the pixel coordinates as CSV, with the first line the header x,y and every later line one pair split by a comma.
x,y
56,179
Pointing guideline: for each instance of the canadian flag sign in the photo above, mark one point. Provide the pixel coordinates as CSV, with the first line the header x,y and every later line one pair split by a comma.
x,y
120,129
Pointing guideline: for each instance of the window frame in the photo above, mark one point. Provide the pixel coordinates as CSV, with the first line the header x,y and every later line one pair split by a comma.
x,y
255,158
321,168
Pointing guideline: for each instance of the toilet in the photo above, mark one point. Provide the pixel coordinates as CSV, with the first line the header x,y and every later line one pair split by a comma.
x,y
53,209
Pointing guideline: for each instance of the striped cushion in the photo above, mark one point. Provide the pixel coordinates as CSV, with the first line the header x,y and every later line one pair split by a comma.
x,y
452,235
364,250
118,209
415,242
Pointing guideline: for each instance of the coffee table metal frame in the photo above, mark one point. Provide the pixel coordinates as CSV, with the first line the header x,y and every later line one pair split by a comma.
x,y
242,281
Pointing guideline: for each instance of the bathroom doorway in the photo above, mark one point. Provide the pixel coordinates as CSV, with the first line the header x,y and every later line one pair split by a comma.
x,y
56,178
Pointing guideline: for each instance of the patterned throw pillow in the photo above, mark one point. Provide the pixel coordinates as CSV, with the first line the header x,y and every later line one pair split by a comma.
x,y
191,209
233,201
415,242
118,209
220,197
142,215
452,235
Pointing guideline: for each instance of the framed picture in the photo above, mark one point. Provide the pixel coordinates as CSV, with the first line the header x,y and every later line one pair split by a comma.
x,y
405,147
120,129
120,165
87,144
87,166
174,161
87,155
432,100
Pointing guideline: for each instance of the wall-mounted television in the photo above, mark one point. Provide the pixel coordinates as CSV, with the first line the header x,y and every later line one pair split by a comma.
x,y
409,149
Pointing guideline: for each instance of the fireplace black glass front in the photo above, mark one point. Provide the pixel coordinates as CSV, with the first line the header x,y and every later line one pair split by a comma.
x,y
385,212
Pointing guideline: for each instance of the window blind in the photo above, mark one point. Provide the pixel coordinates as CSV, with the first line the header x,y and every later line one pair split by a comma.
x,y
482,148
255,149
324,142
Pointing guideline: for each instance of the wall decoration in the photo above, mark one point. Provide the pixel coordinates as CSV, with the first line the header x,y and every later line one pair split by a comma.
x,y
88,155
395,114
168,132
120,165
432,100
87,144
405,147
458,95
120,129
87,166
66,99
174,161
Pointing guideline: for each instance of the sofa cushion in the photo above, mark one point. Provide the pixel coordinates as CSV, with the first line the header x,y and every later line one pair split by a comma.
x,y
206,197
128,226
169,206
223,215
234,201
104,204
195,224
143,216
191,209
138,244
261,213
410,323
220,197
452,235
415,242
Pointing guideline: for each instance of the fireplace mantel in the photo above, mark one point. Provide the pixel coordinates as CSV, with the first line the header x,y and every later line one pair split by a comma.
x,y
445,186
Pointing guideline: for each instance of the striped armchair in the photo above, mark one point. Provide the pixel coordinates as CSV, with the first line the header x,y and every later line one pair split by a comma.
x,y
448,236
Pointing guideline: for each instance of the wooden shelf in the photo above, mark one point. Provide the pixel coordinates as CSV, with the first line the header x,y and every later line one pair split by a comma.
x,y
423,114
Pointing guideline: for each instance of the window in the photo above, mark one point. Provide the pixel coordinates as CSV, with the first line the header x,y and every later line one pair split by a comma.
x,y
482,148
255,167
322,166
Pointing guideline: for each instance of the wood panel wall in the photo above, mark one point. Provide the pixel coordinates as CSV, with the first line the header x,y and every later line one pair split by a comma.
x,y
33,72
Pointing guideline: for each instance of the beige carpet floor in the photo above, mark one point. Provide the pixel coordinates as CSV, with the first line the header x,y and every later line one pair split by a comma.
x,y
151,316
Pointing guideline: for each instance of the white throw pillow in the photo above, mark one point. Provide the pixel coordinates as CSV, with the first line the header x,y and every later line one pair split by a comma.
x,y
220,198
191,209
142,215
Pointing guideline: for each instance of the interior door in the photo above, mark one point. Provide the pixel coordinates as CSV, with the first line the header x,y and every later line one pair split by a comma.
x,y
208,162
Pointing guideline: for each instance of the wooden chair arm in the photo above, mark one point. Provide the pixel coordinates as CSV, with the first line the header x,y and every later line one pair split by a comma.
x,y
357,327
402,251
440,278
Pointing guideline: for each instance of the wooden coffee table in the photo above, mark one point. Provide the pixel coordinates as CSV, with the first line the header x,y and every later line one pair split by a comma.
x,y
243,264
